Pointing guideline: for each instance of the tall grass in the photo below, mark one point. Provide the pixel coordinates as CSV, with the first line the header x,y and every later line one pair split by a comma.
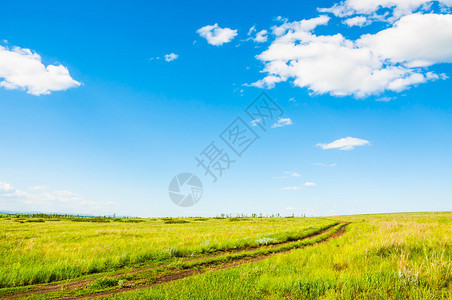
x,y
45,251
397,256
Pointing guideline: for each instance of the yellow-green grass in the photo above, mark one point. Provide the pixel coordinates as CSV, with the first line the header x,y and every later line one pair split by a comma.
x,y
117,283
50,249
393,256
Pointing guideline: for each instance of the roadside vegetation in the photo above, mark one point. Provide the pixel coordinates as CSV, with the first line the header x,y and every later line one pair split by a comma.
x,y
387,256
42,249
391,256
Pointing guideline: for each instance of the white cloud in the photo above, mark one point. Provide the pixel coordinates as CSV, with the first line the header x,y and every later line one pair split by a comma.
x,y
279,18
384,99
261,36
291,188
356,21
296,188
216,35
397,8
7,191
292,99
252,29
240,91
347,143
282,122
22,69
300,26
293,174
415,40
255,122
371,65
37,187
171,57
267,82
59,201
5,187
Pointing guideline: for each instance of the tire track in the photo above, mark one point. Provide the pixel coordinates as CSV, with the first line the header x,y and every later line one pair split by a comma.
x,y
191,272
180,274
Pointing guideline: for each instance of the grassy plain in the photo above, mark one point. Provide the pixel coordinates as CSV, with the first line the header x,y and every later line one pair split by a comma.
x,y
386,256
390,256
41,250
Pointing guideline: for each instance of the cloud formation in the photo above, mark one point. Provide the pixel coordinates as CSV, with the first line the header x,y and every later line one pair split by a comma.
x,y
382,10
415,41
348,143
393,59
356,21
261,36
58,201
293,174
5,187
22,69
282,122
216,35
171,57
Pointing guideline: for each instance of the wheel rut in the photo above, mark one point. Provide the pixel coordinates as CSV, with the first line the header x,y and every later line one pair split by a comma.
x,y
200,265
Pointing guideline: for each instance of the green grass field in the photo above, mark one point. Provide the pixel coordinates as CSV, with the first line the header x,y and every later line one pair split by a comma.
x,y
388,256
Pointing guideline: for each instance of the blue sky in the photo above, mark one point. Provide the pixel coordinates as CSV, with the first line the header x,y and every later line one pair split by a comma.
x,y
103,103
